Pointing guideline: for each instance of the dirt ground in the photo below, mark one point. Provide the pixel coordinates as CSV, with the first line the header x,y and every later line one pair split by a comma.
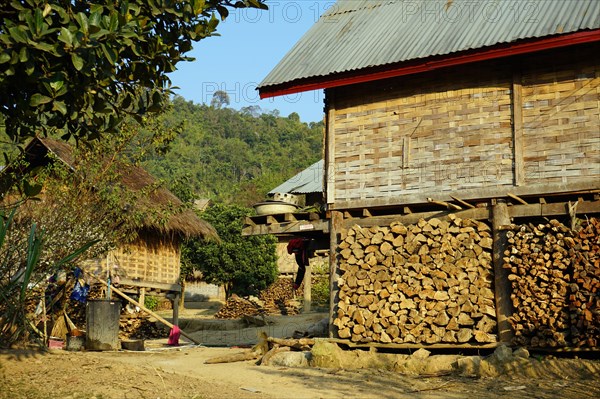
x,y
165,372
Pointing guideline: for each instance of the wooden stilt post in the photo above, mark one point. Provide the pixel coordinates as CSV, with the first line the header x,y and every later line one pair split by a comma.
x,y
151,313
500,217
335,228
307,290
142,295
176,300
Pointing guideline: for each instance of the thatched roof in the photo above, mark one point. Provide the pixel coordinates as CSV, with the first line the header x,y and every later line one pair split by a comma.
x,y
183,221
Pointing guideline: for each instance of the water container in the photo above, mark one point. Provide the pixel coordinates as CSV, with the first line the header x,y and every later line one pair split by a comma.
x,y
102,320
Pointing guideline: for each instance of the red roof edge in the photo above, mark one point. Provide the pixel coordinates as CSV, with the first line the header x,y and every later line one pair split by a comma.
x,y
432,63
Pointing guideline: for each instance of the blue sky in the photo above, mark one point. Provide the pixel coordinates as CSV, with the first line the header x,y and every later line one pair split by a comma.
x,y
252,42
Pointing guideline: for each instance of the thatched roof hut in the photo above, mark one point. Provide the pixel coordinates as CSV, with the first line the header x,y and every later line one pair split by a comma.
x,y
182,221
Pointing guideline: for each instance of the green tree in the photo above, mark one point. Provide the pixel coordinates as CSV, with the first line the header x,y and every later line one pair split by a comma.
x,y
78,67
232,156
219,99
244,265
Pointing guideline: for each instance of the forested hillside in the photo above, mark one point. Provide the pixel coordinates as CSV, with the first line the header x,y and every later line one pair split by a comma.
x,y
234,156
227,155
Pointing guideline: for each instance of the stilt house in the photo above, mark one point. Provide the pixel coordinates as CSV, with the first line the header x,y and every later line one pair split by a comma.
x,y
455,130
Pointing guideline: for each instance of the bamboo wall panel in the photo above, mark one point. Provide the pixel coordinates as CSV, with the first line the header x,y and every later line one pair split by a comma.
x,y
425,136
453,130
149,259
561,122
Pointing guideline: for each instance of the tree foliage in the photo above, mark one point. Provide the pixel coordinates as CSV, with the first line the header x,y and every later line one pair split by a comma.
x,y
80,66
244,265
234,156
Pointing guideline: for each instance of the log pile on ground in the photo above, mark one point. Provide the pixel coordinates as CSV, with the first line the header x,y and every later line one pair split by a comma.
x,y
236,307
555,275
139,326
277,299
425,283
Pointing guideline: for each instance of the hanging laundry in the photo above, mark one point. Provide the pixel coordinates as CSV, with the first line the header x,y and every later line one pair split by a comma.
x,y
300,248
81,288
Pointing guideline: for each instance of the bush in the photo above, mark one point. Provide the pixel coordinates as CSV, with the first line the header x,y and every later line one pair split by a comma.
x,y
243,265
320,287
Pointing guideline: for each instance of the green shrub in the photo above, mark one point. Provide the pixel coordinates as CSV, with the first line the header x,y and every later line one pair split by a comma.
x,y
151,302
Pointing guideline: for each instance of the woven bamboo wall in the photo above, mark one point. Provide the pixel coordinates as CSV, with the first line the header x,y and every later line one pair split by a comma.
x,y
150,258
561,120
452,131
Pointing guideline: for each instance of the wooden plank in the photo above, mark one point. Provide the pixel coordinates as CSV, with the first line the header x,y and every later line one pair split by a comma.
x,y
176,303
306,304
329,181
393,345
150,284
406,151
553,209
471,194
517,198
517,127
289,217
336,225
412,218
502,289
465,203
320,225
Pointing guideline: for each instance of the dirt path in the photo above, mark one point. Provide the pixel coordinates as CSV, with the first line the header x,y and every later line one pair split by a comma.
x,y
182,374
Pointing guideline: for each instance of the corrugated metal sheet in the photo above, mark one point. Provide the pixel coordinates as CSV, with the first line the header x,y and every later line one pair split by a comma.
x,y
310,180
357,34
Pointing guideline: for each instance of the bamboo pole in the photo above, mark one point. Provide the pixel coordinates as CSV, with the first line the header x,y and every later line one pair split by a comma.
x,y
151,313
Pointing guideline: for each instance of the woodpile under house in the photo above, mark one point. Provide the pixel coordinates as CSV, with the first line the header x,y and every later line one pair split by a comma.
x,y
463,170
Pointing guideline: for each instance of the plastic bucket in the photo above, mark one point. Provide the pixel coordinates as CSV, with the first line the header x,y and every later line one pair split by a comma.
x,y
102,321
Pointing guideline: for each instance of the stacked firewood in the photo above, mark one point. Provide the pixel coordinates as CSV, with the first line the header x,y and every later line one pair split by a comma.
x,y
139,326
425,283
555,276
277,299
584,296
236,307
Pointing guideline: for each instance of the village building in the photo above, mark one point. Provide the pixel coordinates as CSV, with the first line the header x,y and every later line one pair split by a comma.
x,y
460,119
151,263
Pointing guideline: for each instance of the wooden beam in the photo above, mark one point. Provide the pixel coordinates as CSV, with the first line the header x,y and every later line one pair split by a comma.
x,y
289,217
444,203
320,225
150,284
501,217
464,203
335,226
517,198
366,213
554,209
408,199
517,127
412,218
271,220
393,345
329,177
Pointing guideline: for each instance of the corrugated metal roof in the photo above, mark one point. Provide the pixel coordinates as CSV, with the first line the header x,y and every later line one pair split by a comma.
x,y
358,34
310,180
